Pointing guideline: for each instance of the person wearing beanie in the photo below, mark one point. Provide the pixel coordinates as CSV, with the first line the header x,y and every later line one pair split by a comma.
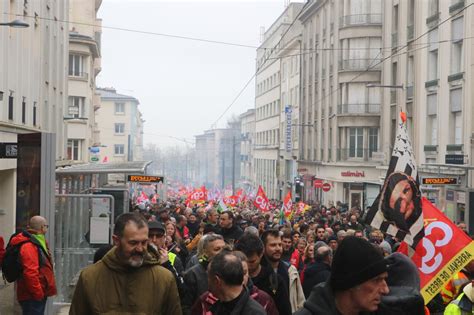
x,y
356,284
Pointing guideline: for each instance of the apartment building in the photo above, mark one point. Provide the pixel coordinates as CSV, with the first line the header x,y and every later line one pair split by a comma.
x,y
33,89
120,124
280,40
247,128
340,116
218,157
431,62
84,65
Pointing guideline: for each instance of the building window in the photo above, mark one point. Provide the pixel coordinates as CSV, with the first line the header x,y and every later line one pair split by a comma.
x,y
23,111
119,108
34,113
74,149
119,149
356,140
76,106
433,55
457,43
432,119
433,7
10,107
373,140
77,65
456,116
120,128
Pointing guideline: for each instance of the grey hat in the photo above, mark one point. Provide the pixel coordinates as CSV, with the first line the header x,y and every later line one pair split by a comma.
x,y
155,225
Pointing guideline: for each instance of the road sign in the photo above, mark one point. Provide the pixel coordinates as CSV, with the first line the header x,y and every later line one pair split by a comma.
x,y
326,187
318,183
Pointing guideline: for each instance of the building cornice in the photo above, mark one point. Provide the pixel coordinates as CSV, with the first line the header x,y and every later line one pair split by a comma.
x,y
312,8
85,40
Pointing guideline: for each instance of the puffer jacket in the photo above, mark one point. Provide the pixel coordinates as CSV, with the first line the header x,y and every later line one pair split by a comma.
x,y
110,287
37,281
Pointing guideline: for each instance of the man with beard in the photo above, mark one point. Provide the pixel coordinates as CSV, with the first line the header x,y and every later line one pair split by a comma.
x,y
273,251
262,275
127,279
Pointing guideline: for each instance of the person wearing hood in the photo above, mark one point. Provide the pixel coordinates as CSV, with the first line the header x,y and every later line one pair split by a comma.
x,y
229,230
362,282
127,280
463,304
37,281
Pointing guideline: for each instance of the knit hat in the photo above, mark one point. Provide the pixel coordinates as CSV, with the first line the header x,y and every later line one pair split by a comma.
x,y
355,261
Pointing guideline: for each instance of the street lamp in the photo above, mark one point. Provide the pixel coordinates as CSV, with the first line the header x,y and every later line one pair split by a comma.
x,y
16,24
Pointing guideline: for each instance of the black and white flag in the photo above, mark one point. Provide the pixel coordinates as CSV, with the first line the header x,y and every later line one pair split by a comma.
x,y
397,210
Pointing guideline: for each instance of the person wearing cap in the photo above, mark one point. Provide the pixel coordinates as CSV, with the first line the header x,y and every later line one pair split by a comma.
x,y
167,259
356,284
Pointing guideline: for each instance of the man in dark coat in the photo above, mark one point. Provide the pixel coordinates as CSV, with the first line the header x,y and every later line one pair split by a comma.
x,y
230,231
225,280
319,271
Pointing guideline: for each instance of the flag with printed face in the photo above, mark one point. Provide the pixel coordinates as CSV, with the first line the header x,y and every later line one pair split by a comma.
x,y
261,200
397,210
443,251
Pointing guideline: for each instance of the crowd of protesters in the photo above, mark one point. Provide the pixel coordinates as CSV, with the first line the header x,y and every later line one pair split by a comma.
x,y
242,261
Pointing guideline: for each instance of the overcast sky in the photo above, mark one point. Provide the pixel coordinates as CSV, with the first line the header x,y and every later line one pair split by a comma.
x,y
183,85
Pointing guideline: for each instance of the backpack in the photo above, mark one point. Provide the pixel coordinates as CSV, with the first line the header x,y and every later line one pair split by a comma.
x,y
12,268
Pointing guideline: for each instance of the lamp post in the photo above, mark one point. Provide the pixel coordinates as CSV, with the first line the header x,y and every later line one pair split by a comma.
x,y
16,24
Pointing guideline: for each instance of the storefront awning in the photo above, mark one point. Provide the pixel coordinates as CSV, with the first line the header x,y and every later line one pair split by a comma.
x,y
135,167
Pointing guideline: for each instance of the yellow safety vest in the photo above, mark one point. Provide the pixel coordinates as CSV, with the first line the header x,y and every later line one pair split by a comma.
x,y
171,257
454,309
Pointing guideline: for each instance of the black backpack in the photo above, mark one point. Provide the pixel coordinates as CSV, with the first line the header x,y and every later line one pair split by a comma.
x,y
12,268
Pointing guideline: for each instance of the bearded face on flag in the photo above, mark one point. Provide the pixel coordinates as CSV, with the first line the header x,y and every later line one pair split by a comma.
x,y
401,200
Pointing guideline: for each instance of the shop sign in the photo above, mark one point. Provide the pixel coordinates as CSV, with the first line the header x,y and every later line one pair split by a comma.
x,y
145,179
440,181
450,195
454,159
8,150
326,187
353,174
318,183
288,143
461,197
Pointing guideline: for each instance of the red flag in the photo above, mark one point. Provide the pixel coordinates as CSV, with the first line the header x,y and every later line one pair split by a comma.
x,y
287,204
231,201
443,251
261,200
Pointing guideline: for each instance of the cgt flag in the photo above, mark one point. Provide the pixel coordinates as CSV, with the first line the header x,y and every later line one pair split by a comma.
x,y
397,209
287,206
261,200
444,250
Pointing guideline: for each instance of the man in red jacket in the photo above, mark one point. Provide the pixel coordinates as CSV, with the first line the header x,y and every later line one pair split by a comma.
x,y
37,281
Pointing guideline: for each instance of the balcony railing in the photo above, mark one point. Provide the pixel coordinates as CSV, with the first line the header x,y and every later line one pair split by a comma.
x,y
344,109
356,154
360,19
79,75
359,64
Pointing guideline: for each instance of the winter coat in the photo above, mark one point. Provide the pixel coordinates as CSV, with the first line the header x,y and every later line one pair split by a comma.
x,y
111,287
232,233
207,300
315,274
195,285
243,306
296,292
273,284
37,281
2,249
